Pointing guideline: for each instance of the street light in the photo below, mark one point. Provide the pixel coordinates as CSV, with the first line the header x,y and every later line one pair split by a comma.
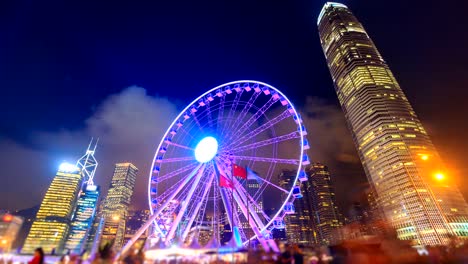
x,y
439,176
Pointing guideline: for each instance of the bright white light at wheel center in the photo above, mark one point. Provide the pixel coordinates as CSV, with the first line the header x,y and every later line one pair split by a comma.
x,y
206,149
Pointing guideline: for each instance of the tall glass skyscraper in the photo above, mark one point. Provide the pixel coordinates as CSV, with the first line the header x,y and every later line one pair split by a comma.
x,y
300,228
52,223
412,185
82,220
320,192
115,209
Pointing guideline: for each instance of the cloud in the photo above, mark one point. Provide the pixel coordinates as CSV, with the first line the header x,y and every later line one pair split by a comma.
x,y
331,144
129,125
328,135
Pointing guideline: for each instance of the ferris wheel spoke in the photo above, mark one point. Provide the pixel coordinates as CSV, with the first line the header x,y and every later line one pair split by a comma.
x,y
242,138
266,142
182,129
220,111
210,118
178,171
180,146
253,119
264,159
185,203
158,212
169,160
168,191
197,122
238,120
197,208
232,110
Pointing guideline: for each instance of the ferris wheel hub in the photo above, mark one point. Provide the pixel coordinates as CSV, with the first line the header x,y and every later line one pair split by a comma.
x,y
206,149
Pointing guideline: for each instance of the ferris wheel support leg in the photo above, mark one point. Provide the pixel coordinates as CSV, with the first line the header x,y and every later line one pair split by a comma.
x,y
273,245
250,210
227,206
252,223
154,216
184,205
197,209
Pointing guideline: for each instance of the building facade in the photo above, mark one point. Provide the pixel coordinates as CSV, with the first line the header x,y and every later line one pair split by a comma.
x,y
400,161
300,227
117,202
82,221
50,228
135,220
319,190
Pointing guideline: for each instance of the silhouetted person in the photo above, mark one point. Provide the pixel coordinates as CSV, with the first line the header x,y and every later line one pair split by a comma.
x,y
105,256
286,256
38,257
298,256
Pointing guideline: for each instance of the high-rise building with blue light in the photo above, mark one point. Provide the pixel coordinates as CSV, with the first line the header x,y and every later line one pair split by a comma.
x,y
82,220
412,186
85,210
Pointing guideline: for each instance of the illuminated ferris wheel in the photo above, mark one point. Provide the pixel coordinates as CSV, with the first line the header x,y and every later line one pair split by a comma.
x,y
218,166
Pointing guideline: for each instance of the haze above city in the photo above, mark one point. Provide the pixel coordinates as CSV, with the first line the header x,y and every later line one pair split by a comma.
x,y
122,72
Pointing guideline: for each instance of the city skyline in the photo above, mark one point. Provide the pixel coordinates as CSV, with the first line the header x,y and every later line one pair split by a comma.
x,y
57,150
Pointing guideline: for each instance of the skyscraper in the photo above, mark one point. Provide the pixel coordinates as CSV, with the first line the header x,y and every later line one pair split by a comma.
x,y
52,223
399,159
320,192
115,209
300,227
85,210
82,220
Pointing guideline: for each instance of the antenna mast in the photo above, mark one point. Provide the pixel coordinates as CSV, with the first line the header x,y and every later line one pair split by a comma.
x,y
87,163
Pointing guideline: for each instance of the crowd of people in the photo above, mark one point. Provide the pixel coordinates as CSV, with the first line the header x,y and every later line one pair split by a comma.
x,y
386,251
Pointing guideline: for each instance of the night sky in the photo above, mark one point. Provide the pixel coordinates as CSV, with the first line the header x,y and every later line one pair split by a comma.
x,y
122,70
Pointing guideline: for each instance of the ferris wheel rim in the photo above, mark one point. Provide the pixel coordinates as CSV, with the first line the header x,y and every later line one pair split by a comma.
x,y
290,198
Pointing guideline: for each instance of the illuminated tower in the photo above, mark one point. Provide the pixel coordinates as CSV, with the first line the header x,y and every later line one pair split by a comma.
x,y
320,192
300,228
52,223
399,159
115,210
85,210
82,219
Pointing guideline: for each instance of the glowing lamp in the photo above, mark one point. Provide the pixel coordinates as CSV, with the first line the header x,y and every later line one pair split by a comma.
x,y
4,241
68,167
424,157
7,218
439,176
206,149
115,218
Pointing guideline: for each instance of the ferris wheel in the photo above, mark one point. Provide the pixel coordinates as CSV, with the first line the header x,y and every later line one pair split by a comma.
x,y
218,166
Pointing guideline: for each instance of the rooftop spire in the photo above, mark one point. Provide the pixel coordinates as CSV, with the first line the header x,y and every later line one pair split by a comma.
x,y
87,163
